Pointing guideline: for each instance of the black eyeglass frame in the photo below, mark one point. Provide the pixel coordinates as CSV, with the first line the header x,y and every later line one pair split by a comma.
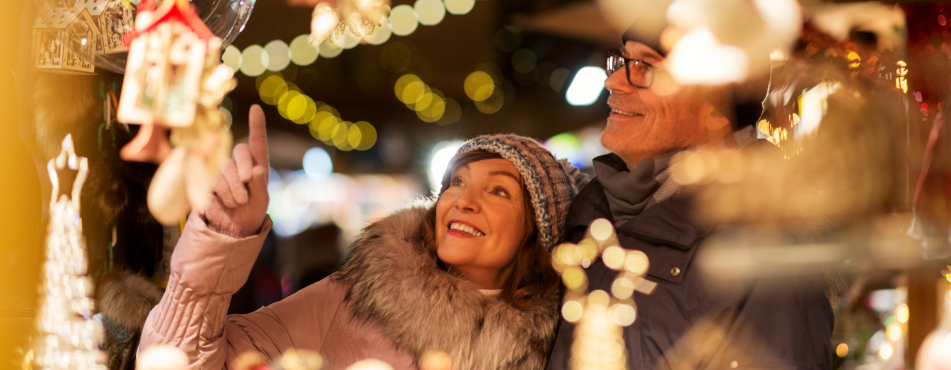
x,y
612,66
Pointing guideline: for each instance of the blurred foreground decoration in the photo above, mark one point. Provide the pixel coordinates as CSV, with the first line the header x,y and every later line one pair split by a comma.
x,y
361,17
935,352
175,80
162,357
858,188
67,337
598,342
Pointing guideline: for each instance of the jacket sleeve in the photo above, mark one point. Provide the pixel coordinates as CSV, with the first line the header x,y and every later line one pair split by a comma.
x,y
207,268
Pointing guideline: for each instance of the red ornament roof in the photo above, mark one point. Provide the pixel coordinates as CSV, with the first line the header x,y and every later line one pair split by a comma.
x,y
173,10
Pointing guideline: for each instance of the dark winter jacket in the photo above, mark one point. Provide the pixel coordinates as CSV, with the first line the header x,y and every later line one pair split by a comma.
x,y
687,323
390,301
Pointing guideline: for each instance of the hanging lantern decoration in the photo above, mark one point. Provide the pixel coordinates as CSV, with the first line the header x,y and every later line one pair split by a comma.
x,y
114,20
175,81
65,40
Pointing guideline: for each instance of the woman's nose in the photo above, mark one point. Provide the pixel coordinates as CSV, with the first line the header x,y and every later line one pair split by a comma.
x,y
469,201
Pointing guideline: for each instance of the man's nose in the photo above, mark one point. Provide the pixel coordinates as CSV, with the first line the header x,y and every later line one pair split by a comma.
x,y
617,82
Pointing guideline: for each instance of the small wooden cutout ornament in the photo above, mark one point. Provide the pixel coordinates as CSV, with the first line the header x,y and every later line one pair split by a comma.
x,y
65,40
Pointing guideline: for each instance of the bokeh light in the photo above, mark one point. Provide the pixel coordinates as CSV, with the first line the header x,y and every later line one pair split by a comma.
x,y
902,314
430,12
349,40
508,39
231,57
340,134
329,50
303,53
284,101
272,88
459,7
491,104
301,109
622,288
254,61
566,145
587,86
842,350
524,61
452,114
403,20
395,57
434,111
226,116
279,55
624,314
442,153
886,351
367,135
381,34
317,163
479,86
572,311
894,332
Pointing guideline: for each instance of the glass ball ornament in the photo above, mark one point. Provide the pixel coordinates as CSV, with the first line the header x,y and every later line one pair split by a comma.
x,y
225,18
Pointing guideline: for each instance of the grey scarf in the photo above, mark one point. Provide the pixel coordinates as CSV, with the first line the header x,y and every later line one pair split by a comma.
x,y
631,192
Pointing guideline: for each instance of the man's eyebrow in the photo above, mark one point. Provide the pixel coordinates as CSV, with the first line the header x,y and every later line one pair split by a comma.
x,y
505,173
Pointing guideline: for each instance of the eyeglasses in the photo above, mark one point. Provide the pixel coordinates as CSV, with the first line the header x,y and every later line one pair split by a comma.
x,y
639,73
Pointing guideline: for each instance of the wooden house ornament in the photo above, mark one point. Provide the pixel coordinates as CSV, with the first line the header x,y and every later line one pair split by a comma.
x,y
165,65
114,18
65,40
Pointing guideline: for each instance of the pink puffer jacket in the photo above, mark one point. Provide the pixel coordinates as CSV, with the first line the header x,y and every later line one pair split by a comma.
x,y
208,267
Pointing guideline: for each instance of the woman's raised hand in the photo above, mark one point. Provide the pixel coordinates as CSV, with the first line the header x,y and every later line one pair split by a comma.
x,y
240,196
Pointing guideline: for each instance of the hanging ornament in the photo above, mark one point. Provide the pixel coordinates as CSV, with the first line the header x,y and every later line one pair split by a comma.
x,y
114,20
360,16
68,337
65,40
175,82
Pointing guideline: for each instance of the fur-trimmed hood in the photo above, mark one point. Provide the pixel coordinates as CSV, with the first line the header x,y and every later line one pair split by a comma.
x,y
393,281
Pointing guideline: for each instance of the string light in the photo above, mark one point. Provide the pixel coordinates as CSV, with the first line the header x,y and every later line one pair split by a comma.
x,y
598,343
322,120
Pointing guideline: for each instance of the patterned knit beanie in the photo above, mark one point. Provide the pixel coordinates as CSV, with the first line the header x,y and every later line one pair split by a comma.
x,y
551,183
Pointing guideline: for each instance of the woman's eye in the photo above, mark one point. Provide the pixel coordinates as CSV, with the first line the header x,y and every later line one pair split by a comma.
x,y
456,181
500,192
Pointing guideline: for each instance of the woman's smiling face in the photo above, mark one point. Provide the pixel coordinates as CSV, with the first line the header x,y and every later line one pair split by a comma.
x,y
480,220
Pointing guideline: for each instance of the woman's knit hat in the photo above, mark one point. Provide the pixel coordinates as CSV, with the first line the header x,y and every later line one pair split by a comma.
x,y
551,183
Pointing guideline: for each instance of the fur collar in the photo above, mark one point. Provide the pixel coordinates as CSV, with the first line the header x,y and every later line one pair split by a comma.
x,y
420,307
127,298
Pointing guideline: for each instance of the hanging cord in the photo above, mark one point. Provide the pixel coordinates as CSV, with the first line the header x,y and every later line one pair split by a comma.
x,y
926,160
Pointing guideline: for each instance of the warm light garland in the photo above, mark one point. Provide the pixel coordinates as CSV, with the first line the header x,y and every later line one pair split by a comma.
x,y
598,342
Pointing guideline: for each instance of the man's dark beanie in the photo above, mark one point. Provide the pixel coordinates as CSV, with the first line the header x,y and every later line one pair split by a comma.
x,y
748,96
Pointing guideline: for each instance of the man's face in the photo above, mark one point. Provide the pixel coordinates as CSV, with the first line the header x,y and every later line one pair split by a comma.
x,y
647,122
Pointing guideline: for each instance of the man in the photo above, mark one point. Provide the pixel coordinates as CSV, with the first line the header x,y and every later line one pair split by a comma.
x,y
685,323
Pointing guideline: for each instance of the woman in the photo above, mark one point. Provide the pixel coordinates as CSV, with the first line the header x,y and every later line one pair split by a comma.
x,y
469,275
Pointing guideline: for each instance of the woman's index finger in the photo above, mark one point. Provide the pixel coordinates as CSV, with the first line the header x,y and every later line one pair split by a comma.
x,y
257,135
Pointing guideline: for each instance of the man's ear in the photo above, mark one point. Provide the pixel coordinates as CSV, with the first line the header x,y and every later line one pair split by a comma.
x,y
715,110
714,119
